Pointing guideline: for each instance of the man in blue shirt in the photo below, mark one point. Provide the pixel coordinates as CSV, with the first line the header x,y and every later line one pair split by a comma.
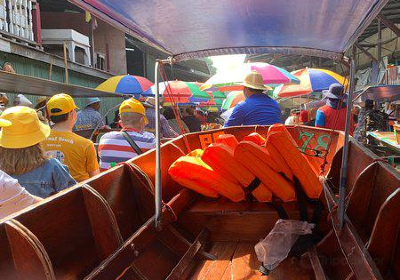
x,y
258,108
89,118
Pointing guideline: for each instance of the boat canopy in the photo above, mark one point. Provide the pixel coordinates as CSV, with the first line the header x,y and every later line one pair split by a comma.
x,y
15,83
378,93
188,29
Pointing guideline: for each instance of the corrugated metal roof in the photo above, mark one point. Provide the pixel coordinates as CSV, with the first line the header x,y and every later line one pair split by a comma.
x,y
391,11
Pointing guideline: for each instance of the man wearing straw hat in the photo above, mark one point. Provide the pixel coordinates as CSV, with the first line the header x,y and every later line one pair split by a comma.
x,y
258,108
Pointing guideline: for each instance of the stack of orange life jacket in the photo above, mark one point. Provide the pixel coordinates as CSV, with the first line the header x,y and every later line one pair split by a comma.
x,y
257,166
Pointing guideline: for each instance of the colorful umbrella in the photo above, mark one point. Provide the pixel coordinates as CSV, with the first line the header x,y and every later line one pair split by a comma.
x,y
218,95
232,99
212,102
231,79
311,80
127,84
181,92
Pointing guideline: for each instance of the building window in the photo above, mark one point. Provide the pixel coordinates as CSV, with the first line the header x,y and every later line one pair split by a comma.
x,y
100,61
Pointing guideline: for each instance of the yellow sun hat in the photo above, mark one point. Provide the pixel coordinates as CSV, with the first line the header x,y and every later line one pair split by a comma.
x,y
60,104
132,105
23,128
4,123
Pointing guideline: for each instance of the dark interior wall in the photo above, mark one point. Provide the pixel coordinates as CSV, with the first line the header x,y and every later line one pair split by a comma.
x,y
54,20
134,62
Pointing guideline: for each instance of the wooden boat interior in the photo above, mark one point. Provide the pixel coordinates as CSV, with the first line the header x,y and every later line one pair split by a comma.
x,y
104,228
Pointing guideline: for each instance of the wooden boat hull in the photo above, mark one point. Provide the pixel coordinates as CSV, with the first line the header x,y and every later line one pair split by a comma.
x,y
104,227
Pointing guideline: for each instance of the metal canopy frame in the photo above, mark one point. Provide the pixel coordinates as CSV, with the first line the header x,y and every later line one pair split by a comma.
x,y
378,93
109,15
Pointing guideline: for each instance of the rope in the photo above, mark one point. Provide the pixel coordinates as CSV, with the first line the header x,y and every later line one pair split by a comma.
x,y
325,162
173,104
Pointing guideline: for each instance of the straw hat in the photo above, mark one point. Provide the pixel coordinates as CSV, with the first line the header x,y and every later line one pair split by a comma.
x,y
25,130
150,102
254,80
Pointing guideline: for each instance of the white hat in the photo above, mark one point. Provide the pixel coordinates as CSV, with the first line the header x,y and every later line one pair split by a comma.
x,y
23,101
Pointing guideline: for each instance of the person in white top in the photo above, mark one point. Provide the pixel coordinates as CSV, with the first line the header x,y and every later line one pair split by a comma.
x,y
294,118
13,197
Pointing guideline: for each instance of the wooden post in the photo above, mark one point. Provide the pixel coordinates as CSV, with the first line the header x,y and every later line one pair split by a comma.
x,y
107,58
51,68
389,24
91,42
65,62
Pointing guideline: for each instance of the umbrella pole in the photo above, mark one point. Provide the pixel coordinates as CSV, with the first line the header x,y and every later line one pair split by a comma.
x,y
343,169
158,189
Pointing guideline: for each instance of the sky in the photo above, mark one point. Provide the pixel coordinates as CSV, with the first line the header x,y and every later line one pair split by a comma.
x,y
224,62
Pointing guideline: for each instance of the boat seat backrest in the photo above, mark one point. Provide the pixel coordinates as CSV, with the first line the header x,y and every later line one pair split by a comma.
x,y
374,210
170,152
374,185
385,235
18,245
358,160
77,229
118,187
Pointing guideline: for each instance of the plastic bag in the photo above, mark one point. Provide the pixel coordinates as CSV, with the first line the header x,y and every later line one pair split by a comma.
x,y
276,246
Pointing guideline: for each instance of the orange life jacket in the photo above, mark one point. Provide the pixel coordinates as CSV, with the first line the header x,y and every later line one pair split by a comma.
x,y
275,155
221,158
227,139
192,172
283,142
260,163
256,138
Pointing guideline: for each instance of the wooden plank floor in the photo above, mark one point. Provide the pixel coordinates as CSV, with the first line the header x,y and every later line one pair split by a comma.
x,y
238,261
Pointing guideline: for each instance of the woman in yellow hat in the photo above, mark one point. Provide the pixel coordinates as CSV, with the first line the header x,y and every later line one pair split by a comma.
x,y
22,156
13,197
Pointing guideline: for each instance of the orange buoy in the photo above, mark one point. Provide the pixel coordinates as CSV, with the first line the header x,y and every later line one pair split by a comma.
x,y
283,142
192,172
221,158
260,163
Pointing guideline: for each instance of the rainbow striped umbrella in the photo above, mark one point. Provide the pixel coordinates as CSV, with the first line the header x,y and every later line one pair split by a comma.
x,y
217,102
232,99
217,94
231,79
311,80
127,84
181,92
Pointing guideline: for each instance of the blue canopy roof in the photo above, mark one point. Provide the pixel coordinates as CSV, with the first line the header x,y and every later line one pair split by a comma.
x,y
197,28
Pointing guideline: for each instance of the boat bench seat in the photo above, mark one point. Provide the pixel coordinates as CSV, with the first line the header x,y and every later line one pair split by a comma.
x,y
247,220
75,228
128,191
21,254
374,210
